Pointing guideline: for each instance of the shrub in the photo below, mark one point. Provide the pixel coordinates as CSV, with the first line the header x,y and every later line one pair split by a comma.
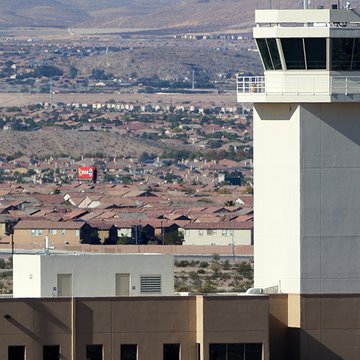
x,y
193,275
183,263
5,274
226,265
216,257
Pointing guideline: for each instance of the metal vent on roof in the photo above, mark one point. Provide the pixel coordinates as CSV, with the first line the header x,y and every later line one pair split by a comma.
x,y
150,284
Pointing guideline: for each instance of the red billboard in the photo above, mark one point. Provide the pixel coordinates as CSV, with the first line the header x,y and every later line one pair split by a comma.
x,y
87,173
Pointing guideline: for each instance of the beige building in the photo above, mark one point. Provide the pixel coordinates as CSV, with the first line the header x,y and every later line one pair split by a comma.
x,y
222,233
59,232
92,275
168,328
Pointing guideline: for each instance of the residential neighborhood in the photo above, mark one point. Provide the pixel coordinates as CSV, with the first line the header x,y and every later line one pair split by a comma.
x,y
108,214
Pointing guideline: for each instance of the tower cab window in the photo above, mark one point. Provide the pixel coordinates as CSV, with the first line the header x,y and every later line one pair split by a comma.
x,y
269,53
345,54
304,54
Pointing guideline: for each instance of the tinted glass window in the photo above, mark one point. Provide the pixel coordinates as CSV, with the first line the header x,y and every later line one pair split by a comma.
x,y
253,351
355,65
235,351
171,352
217,352
51,352
128,352
274,53
315,50
16,352
94,352
341,53
264,53
293,53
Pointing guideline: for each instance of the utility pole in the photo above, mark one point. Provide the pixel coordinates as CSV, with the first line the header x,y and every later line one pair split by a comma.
x,y
50,94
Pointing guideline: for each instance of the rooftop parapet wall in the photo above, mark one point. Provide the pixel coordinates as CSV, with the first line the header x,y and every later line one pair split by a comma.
x,y
308,16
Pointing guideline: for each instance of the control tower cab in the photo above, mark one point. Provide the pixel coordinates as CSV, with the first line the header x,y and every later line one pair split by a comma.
x,y
308,56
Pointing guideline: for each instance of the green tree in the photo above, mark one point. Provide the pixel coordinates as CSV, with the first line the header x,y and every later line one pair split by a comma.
x,y
73,72
48,71
173,238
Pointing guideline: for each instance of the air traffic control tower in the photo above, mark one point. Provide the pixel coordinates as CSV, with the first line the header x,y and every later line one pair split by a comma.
x,y
307,150
307,173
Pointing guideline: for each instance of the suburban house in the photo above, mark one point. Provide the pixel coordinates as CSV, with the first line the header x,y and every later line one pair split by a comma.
x,y
107,233
59,232
221,233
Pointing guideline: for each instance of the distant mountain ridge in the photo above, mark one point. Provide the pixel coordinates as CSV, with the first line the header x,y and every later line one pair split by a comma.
x,y
204,15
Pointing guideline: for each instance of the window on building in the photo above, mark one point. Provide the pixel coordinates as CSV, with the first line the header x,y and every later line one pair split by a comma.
x,y
200,232
54,231
315,50
36,232
94,352
235,351
16,352
294,53
198,351
209,232
51,352
128,352
187,232
150,284
341,53
63,232
171,352
274,53
77,232
345,54
269,53
355,62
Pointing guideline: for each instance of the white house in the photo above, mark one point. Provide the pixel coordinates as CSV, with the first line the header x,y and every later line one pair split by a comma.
x,y
222,233
90,275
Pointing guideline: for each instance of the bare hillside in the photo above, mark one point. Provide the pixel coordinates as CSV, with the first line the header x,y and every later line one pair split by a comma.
x,y
204,15
75,143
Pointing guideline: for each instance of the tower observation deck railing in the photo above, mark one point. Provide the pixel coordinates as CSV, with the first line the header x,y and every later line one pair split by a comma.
x,y
298,85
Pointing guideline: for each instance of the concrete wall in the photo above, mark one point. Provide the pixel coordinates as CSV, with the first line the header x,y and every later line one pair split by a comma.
x,y
27,276
224,321
217,237
147,322
92,275
307,174
330,177
327,326
241,250
277,196
330,327
278,326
